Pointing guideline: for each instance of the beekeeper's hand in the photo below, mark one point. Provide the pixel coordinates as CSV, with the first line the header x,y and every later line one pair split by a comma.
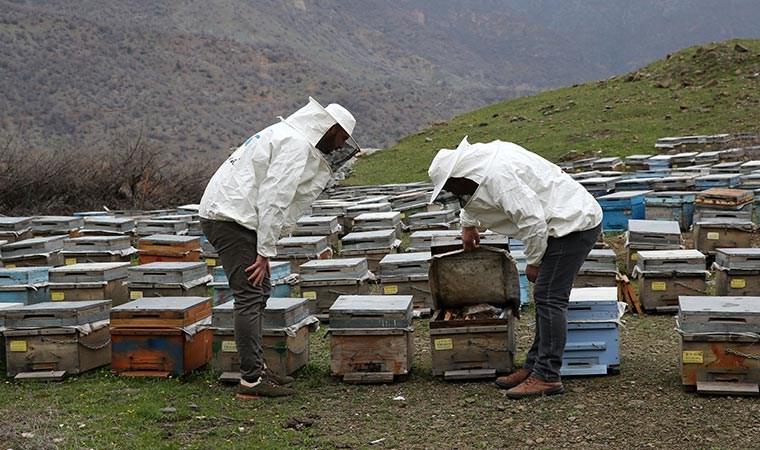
x,y
258,270
531,272
470,238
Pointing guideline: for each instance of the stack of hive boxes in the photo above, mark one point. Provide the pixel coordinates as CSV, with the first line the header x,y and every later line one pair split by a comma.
x,y
664,275
475,295
593,335
168,279
371,337
26,285
14,229
719,344
161,336
319,226
598,270
51,339
723,219
57,226
300,249
675,206
323,281
407,274
90,281
285,337
737,271
372,245
169,248
39,251
94,249
650,235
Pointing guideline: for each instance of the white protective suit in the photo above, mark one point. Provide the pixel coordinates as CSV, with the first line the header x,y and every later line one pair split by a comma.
x,y
520,194
270,180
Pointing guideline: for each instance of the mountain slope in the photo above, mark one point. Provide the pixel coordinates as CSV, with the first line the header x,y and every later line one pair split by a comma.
x,y
700,90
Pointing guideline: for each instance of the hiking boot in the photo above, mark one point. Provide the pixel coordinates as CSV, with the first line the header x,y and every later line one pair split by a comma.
x,y
264,387
534,386
282,380
513,379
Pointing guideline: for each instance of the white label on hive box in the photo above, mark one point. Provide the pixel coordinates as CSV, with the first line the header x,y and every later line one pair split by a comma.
x,y
738,283
713,235
57,296
134,295
229,347
210,262
659,286
17,346
311,295
390,290
634,256
70,261
443,344
692,357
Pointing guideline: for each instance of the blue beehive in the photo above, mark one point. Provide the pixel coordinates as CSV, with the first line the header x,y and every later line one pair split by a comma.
x,y
621,206
593,337
519,256
27,285
675,206
718,180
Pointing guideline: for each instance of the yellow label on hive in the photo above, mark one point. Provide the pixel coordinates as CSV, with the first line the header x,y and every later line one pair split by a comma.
x,y
70,261
403,215
229,347
134,295
692,357
713,235
210,262
57,296
443,344
634,256
738,283
10,266
17,346
659,286
311,295
390,290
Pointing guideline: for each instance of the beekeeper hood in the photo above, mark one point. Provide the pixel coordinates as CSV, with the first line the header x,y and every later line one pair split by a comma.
x,y
464,162
313,121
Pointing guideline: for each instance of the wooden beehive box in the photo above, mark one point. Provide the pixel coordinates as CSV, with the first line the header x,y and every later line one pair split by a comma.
x,y
56,225
91,249
108,225
404,264
43,343
14,229
26,285
719,341
169,248
371,337
319,226
284,352
90,281
167,272
480,347
668,261
33,247
407,274
378,222
443,219
303,247
659,292
334,269
677,206
148,227
710,234
420,241
654,233
161,336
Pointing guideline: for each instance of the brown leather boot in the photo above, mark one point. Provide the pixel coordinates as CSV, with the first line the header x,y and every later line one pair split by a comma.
x,y
513,379
534,386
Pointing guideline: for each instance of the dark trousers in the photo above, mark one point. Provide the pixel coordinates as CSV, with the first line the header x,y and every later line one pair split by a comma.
x,y
560,265
237,250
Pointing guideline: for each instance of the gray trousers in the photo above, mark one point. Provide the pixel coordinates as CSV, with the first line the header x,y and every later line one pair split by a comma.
x,y
560,265
237,250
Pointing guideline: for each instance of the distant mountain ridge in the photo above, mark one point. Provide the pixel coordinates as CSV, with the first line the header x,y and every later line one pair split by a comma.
x,y
201,75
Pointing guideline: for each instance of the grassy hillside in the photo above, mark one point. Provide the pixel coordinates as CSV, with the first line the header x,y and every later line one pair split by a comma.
x,y
700,90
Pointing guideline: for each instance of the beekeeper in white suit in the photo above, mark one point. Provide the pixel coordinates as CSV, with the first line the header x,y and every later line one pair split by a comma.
x,y
261,189
509,190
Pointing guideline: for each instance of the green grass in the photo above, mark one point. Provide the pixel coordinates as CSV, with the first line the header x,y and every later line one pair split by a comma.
x,y
700,90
